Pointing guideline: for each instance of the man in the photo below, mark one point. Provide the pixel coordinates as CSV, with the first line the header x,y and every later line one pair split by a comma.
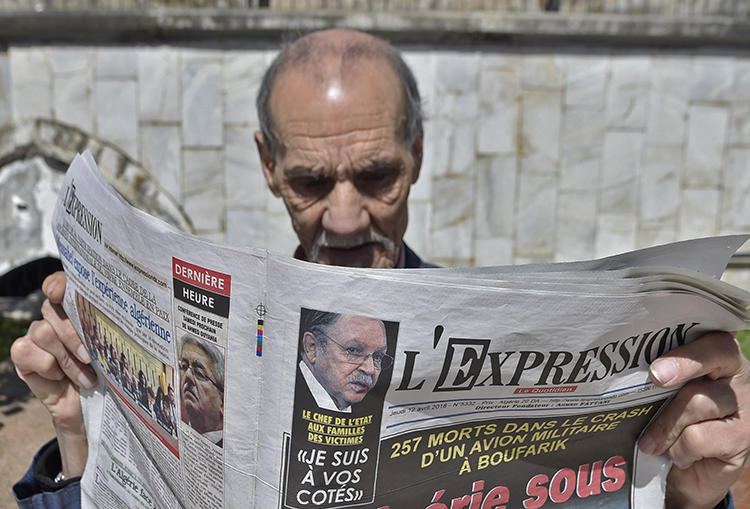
x,y
341,144
342,357
344,162
170,408
126,378
202,388
143,390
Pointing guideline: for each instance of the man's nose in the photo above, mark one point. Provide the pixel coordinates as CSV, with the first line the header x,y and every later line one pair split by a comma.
x,y
345,213
368,366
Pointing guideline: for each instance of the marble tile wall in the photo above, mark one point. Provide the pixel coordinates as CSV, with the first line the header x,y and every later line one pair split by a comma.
x,y
528,157
5,105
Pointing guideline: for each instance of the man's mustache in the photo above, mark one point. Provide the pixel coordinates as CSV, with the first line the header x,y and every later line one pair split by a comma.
x,y
332,240
362,378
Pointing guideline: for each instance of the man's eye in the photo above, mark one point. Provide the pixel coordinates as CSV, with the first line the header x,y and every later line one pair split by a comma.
x,y
376,182
354,351
311,185
377,356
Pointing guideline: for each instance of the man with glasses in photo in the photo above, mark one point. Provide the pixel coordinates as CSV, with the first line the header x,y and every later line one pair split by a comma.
x,y
342,357
202,388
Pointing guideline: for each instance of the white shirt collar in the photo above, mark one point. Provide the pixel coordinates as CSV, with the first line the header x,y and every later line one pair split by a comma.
x,y
322,398
214,436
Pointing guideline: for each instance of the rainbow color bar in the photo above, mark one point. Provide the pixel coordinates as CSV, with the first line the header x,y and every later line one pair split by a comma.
x,y
259,348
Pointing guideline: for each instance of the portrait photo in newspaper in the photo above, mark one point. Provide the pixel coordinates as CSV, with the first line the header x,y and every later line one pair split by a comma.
x,y
201,366
343,373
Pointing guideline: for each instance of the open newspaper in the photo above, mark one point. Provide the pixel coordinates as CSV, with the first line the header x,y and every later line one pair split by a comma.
x,y
236,378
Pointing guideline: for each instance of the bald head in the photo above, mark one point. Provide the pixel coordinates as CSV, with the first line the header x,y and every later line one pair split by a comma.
x,y
328,56
342,48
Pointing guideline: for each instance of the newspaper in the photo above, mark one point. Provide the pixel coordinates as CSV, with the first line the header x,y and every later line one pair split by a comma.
x,y
221,383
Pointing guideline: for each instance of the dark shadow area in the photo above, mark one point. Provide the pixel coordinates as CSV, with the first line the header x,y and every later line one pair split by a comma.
x,y
21,299
12,410
10,329
12,389
24,279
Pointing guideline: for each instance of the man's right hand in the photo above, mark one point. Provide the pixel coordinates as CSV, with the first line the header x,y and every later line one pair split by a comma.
x,y
52,360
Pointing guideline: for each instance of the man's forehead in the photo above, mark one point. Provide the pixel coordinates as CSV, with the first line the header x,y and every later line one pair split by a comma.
x,y
192,350
325,93
361,328
307,133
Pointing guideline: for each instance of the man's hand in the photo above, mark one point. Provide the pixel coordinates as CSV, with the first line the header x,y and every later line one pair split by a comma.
x,y
705,429
51,359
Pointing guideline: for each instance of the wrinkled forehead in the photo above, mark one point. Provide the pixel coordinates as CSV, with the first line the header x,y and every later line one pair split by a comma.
x,y
194,353
334,96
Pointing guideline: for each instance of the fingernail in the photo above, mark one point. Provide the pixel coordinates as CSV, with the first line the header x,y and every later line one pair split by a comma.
x,y
647,444
83,354
86,380
664,370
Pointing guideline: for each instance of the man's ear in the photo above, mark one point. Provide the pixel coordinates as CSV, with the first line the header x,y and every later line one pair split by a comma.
x,y
416,152
310,346
268,163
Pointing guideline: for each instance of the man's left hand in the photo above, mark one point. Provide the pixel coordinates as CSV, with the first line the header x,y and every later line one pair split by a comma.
x,y
705,429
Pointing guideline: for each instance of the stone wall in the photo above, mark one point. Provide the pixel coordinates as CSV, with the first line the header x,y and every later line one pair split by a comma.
x,y
529,155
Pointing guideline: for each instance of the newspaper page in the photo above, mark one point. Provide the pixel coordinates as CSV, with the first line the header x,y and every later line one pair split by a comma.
x,y
237,378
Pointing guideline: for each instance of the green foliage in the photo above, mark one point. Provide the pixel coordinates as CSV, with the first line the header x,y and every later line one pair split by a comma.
x,y
744,338
9,330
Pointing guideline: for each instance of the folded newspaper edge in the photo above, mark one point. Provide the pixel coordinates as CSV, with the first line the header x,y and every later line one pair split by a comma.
x,y
238,378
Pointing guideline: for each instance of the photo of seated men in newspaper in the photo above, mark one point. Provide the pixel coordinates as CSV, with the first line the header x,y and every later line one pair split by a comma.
x,y
201,366
343,372
144,383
